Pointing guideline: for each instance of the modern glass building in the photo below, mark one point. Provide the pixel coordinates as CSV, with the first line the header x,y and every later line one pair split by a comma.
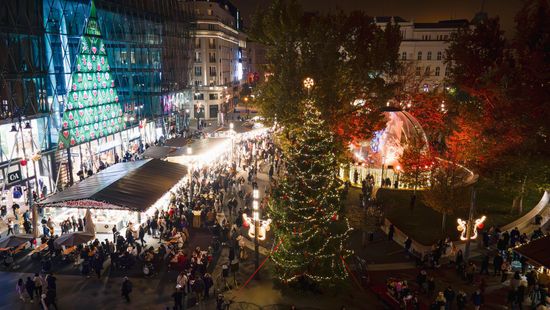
x,y
147,44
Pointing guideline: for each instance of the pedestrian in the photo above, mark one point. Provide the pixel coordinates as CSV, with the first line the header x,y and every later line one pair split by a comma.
x,y
461,300
38,284
20,289
208,283
10,227
408,244
497,264
391,231
126,289
141,234
29,285
477,299
449,294
178,298
198,288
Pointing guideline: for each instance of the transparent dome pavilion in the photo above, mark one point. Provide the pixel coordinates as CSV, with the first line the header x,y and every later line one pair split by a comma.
x,y
379,156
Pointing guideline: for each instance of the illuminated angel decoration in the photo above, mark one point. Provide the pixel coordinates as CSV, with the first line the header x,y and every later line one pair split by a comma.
x,y
462,227
263,229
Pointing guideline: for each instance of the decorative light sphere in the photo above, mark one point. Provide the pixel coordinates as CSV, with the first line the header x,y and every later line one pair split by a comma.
x,y
308,83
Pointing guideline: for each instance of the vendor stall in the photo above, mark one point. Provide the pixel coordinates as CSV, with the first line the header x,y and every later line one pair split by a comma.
x,y
119,194
537,254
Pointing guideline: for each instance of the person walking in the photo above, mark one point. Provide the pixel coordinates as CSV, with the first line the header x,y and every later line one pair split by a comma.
x,y
29,285
38,284
126,289
178,298
141,234
20,289
10,227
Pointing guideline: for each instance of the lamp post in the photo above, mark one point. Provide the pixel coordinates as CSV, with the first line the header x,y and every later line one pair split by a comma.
x,y
468,228
190,173
232,133
257,228
308,84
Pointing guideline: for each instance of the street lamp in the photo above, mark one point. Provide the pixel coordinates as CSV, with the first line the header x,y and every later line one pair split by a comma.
x,y
232,133
468,229
257,228
308,84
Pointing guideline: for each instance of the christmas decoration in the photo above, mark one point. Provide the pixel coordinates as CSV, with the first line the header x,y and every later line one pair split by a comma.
x,y
306,206
23,162
93,109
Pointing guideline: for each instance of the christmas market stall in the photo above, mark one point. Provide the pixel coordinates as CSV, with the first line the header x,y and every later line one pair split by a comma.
x,y
537,255
119,194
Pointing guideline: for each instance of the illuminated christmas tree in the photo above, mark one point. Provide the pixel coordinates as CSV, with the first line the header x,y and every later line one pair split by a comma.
x,y
306,208
92,110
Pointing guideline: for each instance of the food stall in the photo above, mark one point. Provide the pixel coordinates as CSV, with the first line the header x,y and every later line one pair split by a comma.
x,y
118,195
536,253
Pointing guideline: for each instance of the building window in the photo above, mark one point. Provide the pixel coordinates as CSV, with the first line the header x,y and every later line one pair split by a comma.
x,y
197,43
212,71
447,72
417,71
427,71
198,57
213,96
198,71
211,43
198,83
198,96
429,56
210,12
212,56
404,56
437,70
419,56
197,12
439,55
211,27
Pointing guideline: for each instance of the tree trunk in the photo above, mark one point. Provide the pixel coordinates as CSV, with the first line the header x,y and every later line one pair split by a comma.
x,y
443,220
520,211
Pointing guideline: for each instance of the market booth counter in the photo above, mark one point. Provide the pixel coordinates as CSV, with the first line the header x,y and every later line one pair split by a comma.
x,y
119,194
537,254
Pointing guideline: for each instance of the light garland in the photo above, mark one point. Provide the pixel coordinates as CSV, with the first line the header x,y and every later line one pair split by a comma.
x,y
306,205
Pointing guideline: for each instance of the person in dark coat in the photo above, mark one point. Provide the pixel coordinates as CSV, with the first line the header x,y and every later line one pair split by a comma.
x,y
126,289
30,286
178,299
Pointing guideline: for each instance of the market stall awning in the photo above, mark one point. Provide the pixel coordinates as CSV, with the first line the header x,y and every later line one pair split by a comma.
x,y
536,251
129,186
177,142
158,152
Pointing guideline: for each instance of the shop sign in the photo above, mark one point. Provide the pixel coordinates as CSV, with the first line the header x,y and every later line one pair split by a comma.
x,y
14,176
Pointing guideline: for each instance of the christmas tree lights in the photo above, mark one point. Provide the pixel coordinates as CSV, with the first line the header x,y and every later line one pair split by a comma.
x,y
92,110
306,208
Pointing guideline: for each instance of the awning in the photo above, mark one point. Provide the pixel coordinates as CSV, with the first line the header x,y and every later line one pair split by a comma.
x,y
129,186
158,152
536,252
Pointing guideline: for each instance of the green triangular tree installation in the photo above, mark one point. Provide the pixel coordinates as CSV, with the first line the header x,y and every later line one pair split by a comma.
x,y
92,109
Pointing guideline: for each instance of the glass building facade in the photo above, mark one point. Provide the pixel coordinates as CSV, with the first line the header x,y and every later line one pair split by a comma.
x,y
147,44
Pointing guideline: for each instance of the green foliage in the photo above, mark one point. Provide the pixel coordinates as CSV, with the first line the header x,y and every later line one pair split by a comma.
x,y
348,57
306,208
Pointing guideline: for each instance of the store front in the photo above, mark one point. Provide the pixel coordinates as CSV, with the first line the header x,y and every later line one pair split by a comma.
x,y
23,160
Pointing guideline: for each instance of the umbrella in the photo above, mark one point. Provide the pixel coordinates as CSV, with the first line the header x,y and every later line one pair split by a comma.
x,y
90,227
73,239
14,240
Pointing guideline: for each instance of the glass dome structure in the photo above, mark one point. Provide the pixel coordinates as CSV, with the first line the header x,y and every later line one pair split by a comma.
x,y
379,156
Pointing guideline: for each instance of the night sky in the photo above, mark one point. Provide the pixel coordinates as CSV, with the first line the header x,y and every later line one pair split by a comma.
x,y
417,10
